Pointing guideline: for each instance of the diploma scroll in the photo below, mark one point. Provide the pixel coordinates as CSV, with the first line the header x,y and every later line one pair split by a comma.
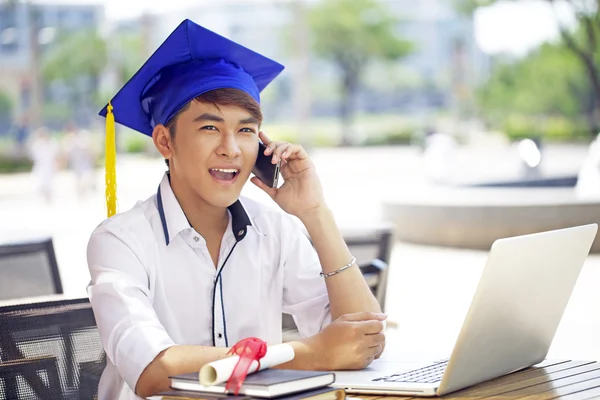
x,y
219,371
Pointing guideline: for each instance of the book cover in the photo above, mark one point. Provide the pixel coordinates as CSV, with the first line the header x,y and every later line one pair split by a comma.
x,y
268,383
326,393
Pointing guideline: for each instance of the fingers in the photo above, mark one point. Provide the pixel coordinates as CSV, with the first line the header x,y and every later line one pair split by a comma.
x,y
381,352
377,339
374,351
282,150
378,344
370,327
364,316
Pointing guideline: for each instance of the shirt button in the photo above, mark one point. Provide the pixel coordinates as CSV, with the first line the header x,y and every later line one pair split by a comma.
x,y
220,335
240,233
196,238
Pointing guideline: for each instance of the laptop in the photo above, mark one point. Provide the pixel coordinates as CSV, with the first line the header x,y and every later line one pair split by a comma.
x,y
513,317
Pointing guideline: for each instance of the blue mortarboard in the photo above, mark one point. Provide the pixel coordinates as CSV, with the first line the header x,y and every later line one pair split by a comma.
x,y
191,61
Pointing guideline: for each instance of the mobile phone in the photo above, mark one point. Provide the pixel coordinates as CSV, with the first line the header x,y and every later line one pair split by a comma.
x,y
264,169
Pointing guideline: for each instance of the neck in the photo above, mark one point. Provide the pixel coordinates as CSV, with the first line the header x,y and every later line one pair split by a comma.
x,y
206,219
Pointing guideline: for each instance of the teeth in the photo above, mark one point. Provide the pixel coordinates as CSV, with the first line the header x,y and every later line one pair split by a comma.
x,y
230,171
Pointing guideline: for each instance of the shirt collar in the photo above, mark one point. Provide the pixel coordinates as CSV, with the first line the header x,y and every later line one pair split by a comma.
x,y
174,221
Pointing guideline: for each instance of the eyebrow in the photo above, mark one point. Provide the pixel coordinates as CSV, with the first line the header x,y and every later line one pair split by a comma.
x,y
249,120
209,117
216,118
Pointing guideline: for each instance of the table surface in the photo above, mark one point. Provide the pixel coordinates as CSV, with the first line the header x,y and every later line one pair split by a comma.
x,y
551,379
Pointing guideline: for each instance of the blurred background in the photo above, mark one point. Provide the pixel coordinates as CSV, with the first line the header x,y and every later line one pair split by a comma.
x,y
455,122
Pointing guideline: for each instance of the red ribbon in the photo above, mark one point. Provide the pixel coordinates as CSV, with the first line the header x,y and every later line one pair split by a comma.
x,y
249,349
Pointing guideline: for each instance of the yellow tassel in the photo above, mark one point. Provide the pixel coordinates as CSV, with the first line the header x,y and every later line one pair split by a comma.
x,y
111,159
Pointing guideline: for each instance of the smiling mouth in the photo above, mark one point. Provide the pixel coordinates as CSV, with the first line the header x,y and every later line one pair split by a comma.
x,y
224,174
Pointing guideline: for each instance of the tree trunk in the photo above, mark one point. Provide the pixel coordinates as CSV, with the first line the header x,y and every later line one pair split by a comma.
x,y
595,117
586,54
594,120
37,85
349,90
301,75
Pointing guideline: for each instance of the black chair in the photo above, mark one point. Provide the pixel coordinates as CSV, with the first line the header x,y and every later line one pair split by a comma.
x,y
28,269
50,350
30,369
372,248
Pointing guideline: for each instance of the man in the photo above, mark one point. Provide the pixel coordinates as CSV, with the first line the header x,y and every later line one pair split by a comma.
x,y
180,278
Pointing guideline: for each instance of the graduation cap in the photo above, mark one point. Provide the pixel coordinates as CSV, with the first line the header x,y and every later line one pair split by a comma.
x,y
191,61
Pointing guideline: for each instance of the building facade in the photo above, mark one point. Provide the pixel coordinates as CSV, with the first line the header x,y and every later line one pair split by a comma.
x,y
27,31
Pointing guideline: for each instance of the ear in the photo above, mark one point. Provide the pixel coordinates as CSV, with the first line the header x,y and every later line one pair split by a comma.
x,y
163,141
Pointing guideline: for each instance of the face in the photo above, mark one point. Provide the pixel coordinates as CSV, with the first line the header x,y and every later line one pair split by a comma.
x,y
213,151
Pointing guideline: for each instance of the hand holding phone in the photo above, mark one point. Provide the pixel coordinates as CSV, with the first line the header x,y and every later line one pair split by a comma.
x,y
264,169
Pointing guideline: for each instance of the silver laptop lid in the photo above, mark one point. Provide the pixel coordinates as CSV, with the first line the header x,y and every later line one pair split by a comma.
x,y
518,304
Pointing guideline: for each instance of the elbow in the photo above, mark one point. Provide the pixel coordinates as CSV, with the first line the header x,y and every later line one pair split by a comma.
x,y
145,389
147,385
154,378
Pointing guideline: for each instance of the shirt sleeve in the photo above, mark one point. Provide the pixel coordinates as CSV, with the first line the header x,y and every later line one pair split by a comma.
x,y
130,330
304,292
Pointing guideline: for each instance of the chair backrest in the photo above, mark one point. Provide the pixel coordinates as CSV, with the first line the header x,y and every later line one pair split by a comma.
x,y
28,270
369,243
372,248
49,350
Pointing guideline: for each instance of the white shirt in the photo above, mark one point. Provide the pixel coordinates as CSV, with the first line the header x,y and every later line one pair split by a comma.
x,y
154,284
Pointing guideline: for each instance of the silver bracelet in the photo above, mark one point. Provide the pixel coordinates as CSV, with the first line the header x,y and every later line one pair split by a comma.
x,y
339,270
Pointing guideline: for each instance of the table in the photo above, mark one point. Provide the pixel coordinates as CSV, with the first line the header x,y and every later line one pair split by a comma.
x,y
551,379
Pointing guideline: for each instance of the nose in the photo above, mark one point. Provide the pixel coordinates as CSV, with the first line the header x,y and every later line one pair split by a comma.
x,y
228,146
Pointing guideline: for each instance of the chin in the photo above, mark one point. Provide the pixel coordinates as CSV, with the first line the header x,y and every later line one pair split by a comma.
x,y
222,200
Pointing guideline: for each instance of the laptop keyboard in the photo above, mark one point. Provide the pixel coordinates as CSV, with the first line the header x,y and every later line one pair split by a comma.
x,y
429,374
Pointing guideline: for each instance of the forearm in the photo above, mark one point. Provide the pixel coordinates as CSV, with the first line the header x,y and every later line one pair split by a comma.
x,y
306,356
174,361
348,292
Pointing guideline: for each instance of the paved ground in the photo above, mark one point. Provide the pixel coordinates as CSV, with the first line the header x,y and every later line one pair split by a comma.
x,y
430,288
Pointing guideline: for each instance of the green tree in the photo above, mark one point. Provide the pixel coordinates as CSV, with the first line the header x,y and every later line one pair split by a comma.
x,y
77,59
76,54
80,58
583,43
351,33
550,80
5,105
128,55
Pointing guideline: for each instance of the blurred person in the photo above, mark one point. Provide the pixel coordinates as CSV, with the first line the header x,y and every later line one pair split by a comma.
x,y
21,134
181,277
44,152
80,159
530,156
439,155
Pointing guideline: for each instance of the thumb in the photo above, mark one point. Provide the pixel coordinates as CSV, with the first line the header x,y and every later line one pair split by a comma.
x,y
364,316
268,190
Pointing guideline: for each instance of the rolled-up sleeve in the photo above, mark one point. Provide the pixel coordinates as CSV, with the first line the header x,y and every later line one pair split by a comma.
x,y
304,292
130,330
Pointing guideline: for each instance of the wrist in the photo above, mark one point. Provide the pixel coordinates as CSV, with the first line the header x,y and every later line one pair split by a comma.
x,y
307,354
315,216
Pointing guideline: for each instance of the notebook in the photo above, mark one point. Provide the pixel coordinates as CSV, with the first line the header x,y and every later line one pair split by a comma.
x,y
267,383
325,393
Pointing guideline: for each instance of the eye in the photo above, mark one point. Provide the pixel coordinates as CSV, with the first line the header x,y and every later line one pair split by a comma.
x,y
209,128
247,130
